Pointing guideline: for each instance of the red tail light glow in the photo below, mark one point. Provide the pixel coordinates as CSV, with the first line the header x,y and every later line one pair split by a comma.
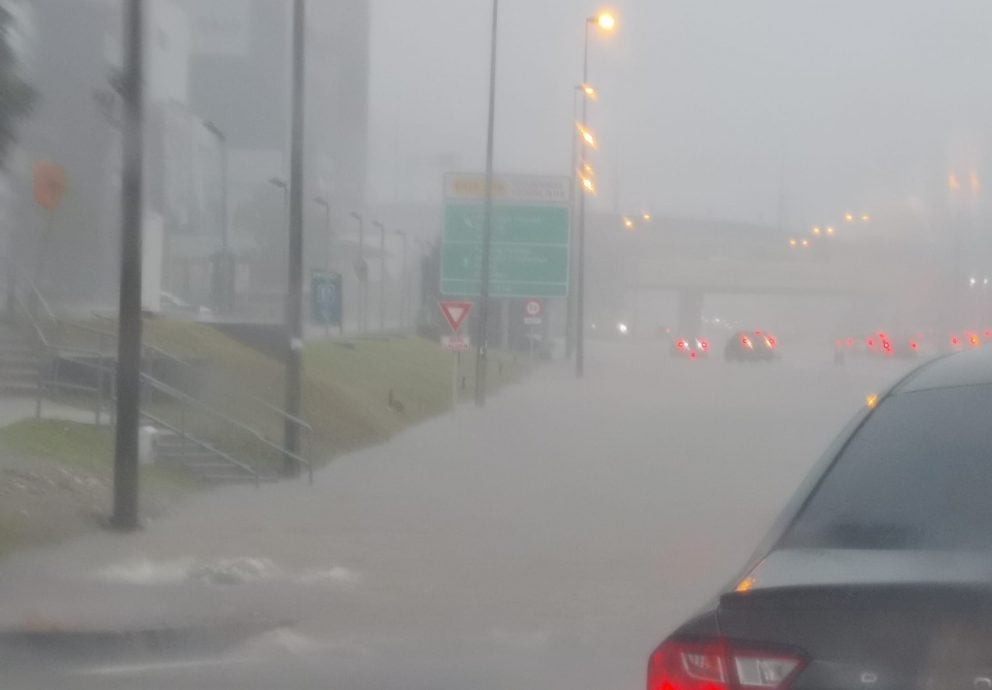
x,y
746,342
974,340
682,345
772,343
870,342
887,346
914,345
850,342
955,341
987,334
719,665
704,344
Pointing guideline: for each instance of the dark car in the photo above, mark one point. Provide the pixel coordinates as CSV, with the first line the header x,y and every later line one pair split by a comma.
x,y
878,575
750,346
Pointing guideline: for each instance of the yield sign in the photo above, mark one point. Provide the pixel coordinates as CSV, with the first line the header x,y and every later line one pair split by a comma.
x,y
455,313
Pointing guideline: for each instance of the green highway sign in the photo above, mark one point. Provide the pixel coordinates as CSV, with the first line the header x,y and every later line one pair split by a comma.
x,y
530,236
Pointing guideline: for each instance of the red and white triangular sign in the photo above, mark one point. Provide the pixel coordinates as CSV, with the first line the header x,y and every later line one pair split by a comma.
x,y
455,312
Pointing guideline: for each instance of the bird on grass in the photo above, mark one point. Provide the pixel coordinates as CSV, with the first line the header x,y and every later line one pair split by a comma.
x,y
394,404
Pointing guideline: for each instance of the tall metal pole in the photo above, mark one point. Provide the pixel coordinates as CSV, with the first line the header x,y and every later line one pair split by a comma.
x,y
580,327
483,333
294,301
224,263
125,515
405,280
382,275
570,300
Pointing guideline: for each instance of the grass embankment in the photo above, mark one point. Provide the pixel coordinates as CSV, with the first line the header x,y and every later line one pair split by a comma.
x,y
55,481
346,386
55,476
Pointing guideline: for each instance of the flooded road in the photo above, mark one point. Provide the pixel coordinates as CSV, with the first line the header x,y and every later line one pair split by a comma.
x,y
549,540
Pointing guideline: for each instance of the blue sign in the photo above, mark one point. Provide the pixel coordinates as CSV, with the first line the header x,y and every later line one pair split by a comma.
x,y
325,297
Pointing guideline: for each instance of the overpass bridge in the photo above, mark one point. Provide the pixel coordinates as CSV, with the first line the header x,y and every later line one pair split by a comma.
x,y
692,260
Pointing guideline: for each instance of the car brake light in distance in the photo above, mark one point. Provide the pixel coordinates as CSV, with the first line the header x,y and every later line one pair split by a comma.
x,y
955,341
913,345
887,346
745,341
987,334
692,355
703,344
719,665
770,339
850,342
682,345
974,339
870,342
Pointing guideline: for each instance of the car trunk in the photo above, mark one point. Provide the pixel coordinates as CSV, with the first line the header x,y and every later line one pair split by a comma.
x,y
871,619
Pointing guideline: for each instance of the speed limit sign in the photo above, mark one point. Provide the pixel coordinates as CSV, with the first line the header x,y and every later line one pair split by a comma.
x,y
533,311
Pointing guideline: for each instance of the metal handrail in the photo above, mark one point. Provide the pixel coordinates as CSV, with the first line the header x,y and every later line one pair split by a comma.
x,y
163,387
74,354
203,444
286,416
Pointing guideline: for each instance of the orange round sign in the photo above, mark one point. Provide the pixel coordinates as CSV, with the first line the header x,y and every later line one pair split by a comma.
x,y
49,184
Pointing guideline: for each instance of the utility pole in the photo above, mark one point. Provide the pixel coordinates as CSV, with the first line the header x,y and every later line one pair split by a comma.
x,y
382,275
294,301
483,334
125,515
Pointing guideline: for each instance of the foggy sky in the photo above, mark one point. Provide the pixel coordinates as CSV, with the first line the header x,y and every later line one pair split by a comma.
x,y
707,108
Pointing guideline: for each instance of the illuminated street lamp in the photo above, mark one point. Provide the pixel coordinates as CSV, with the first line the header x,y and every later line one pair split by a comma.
x,y
830,229
646,217
848,217
805,243
628,223
817,230
588,138
589,91
607,22
865,218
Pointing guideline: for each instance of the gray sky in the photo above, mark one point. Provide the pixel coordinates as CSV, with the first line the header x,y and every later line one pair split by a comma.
x,y
860,105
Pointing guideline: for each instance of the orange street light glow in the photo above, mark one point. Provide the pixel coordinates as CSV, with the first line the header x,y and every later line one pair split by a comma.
x,y
606,21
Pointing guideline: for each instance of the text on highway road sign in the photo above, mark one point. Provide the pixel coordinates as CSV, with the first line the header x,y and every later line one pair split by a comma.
x,y
530,236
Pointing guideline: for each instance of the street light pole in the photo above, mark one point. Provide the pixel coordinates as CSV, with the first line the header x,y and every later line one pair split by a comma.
x,y
294,302
405,281
483,332
606,22
324,204
363,302
223,266
382,275
125,512
580,337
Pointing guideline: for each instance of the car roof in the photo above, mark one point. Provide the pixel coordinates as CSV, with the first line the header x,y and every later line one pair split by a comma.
x,y
970,368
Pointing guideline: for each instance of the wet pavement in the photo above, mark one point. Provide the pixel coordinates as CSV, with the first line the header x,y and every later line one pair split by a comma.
x,y
549,540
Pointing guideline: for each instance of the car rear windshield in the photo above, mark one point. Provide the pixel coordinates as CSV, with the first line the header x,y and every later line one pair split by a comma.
x,y
917,475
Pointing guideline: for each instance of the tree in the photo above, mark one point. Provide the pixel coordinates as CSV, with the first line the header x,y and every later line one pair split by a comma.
x,y
17,97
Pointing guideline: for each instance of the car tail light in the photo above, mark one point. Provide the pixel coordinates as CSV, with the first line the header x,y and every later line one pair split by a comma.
x,y
955,341
772,343
850,342
719,665
913,345
745,341
870,342
692,355
703,344
974,339
987,334
887,346
682,345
